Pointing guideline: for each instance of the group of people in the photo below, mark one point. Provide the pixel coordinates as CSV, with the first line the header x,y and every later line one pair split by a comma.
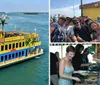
x,y
80,29
65,71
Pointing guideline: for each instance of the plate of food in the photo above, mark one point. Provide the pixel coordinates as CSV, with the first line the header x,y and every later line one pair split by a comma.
x,y
91,80
84,73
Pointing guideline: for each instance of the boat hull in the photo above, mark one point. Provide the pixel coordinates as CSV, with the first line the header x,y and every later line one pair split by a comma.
x,y
19,59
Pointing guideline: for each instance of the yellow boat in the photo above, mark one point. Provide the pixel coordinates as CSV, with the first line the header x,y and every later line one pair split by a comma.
x,y
18,46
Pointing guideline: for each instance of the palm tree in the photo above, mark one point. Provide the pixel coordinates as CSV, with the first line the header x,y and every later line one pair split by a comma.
x,y
30,41
27,42
3,21
33,41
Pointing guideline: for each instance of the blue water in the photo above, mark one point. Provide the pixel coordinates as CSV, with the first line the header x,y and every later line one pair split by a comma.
x,y
34,71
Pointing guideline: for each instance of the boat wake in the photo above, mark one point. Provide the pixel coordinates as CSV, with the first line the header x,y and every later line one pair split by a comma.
x,y
37,57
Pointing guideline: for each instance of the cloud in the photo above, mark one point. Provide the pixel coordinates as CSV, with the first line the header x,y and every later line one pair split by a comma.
x,y
67,11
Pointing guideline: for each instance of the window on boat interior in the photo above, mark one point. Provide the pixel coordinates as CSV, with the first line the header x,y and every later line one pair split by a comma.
x,y
6,47
23,44
1,58
13,45
5,57
9,46
20,44
16,45
2,48
12,55
22,53
9,57
19,54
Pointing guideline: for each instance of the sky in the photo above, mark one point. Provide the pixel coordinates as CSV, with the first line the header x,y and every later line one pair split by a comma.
x,y
67,7
24,6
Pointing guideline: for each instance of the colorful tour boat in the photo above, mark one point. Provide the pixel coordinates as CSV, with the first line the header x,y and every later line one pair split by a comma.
x,y
17,46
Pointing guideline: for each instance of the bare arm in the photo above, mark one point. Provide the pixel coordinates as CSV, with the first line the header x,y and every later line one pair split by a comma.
x,y
74,38
61,72
96,59
80,39
52,29
96,40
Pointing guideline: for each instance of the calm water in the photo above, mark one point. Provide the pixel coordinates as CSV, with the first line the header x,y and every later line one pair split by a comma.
x,y
34,71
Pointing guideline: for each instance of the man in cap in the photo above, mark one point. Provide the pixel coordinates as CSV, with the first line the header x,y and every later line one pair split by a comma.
x,y
68,29
55,30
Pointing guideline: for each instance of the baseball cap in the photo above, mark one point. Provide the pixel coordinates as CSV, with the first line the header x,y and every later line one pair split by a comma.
x,y
63,18
69,19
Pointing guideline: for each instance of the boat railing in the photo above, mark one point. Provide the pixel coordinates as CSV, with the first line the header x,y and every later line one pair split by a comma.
x,y
14,38
21,37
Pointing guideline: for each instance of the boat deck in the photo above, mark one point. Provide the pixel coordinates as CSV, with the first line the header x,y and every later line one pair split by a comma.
x,y
15,33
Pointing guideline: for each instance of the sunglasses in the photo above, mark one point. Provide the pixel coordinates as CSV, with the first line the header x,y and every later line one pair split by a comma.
x,y
76,22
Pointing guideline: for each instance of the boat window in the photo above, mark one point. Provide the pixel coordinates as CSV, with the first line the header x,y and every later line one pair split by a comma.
x,y
12,55
6,47
13,45
2,48
20,44
9,46
19,54
16,55
23,44
1,58
9,56
22,53
16,45
26,52
5,57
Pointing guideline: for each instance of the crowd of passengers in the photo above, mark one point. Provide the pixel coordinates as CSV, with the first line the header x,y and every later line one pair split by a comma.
x,y
80,29
13,34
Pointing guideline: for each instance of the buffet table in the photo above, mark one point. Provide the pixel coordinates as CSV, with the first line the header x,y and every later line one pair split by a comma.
x,y
90,78
98,79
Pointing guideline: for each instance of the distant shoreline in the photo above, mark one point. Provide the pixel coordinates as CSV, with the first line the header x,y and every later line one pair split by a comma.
x,y
35,13
32,13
